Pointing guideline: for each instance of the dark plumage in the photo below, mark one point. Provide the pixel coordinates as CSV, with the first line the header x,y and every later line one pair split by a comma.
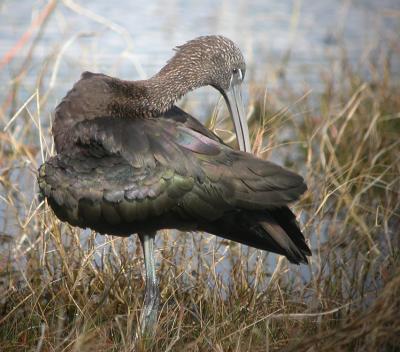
x,y
142,175
130,162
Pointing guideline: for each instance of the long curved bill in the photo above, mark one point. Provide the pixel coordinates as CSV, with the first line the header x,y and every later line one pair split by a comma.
x,y
233,98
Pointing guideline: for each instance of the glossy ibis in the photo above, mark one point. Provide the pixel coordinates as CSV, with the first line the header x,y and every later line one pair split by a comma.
x,y
129,161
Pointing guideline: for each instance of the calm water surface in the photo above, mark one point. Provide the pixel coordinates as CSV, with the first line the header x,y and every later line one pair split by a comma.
x,y
134,39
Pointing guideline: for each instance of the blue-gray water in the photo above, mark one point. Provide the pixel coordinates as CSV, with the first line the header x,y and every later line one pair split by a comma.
x,y
134,38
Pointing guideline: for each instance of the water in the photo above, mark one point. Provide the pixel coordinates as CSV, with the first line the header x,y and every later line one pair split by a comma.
x,y
134,39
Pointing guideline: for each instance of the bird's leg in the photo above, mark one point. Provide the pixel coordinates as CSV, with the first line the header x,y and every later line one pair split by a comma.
x,y
148,318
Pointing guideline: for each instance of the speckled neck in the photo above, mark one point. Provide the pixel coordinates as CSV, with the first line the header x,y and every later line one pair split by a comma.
x,y
172,82
156,95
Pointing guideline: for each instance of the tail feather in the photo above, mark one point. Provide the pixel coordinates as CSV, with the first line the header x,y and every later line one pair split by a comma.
x,y
287,220
273,230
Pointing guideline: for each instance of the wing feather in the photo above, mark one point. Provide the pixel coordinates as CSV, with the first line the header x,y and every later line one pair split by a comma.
x,y
137,169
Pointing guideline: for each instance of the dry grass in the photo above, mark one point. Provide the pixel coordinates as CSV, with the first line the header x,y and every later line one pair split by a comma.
x,y
61,290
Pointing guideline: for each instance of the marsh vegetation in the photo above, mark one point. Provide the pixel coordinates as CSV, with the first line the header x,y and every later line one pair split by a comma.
x,y
64,289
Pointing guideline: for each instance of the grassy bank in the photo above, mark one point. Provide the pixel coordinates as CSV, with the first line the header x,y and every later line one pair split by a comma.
x,y
64,291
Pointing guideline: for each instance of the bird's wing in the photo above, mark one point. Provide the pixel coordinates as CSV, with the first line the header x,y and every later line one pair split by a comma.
x,y
240,178
130,170
182,117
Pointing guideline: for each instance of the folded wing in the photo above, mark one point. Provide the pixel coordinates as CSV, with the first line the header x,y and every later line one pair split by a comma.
x,y
129,175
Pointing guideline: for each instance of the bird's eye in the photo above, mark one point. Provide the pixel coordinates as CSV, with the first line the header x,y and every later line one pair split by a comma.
x,y
236,77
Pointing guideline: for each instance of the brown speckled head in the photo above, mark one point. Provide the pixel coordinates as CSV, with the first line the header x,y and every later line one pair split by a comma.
x,y
211,60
